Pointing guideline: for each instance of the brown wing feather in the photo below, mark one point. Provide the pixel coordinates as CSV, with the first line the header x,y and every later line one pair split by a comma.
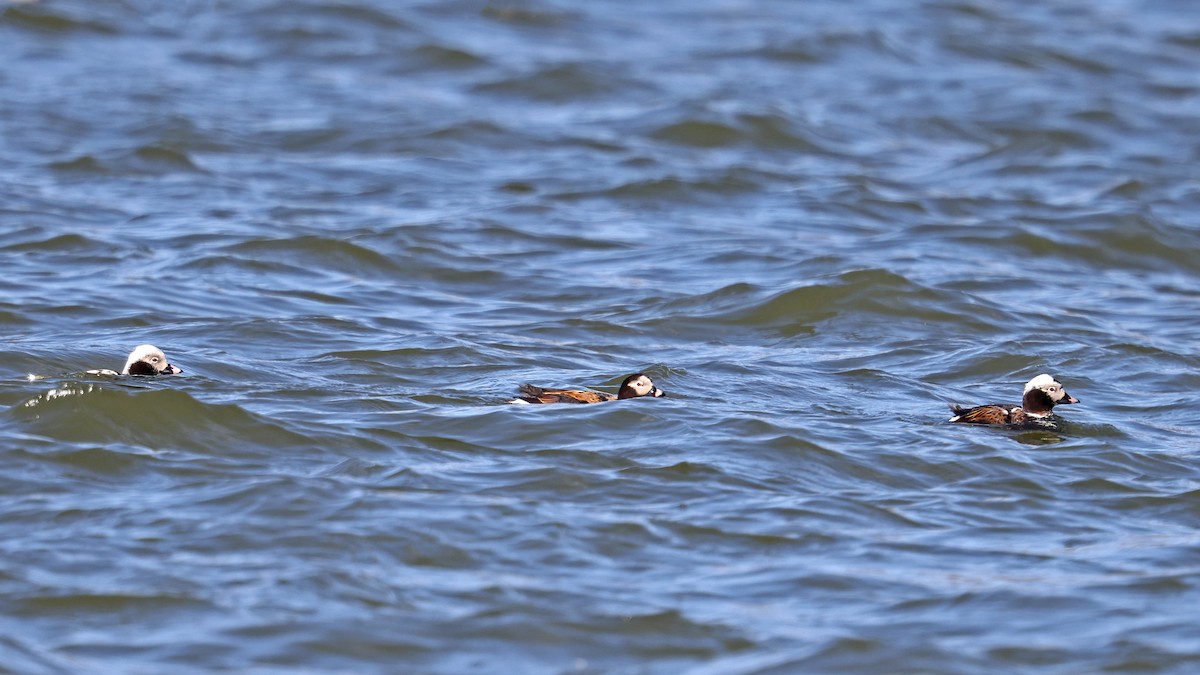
x,y
579,396
982,414
534,394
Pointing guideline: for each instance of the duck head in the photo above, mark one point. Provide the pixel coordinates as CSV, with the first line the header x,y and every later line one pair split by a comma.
x,y
149,360
639,385
1042,393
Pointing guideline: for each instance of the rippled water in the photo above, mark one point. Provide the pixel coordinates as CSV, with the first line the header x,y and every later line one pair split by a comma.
x,y
359,226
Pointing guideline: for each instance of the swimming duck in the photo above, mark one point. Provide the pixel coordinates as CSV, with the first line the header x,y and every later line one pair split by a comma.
x,y
634,386
143,360
1042,393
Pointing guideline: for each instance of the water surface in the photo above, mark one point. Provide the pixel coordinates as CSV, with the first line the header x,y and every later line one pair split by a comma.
x,y
358,227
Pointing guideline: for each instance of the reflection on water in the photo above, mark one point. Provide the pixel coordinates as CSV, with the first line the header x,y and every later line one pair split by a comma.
x,y
1038,437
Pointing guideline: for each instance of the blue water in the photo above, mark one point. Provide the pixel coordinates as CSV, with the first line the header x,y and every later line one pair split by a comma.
x,y
359,226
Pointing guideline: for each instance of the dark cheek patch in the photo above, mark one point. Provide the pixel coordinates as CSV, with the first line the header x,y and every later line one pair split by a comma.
x,y
1039,402
142,368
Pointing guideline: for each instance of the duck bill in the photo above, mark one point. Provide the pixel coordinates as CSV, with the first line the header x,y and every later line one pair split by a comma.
x,y
172,370
657,393
1067,398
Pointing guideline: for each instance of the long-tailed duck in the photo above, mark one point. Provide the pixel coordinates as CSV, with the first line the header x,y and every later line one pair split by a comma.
x,y
1042,393
143,360
634,386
